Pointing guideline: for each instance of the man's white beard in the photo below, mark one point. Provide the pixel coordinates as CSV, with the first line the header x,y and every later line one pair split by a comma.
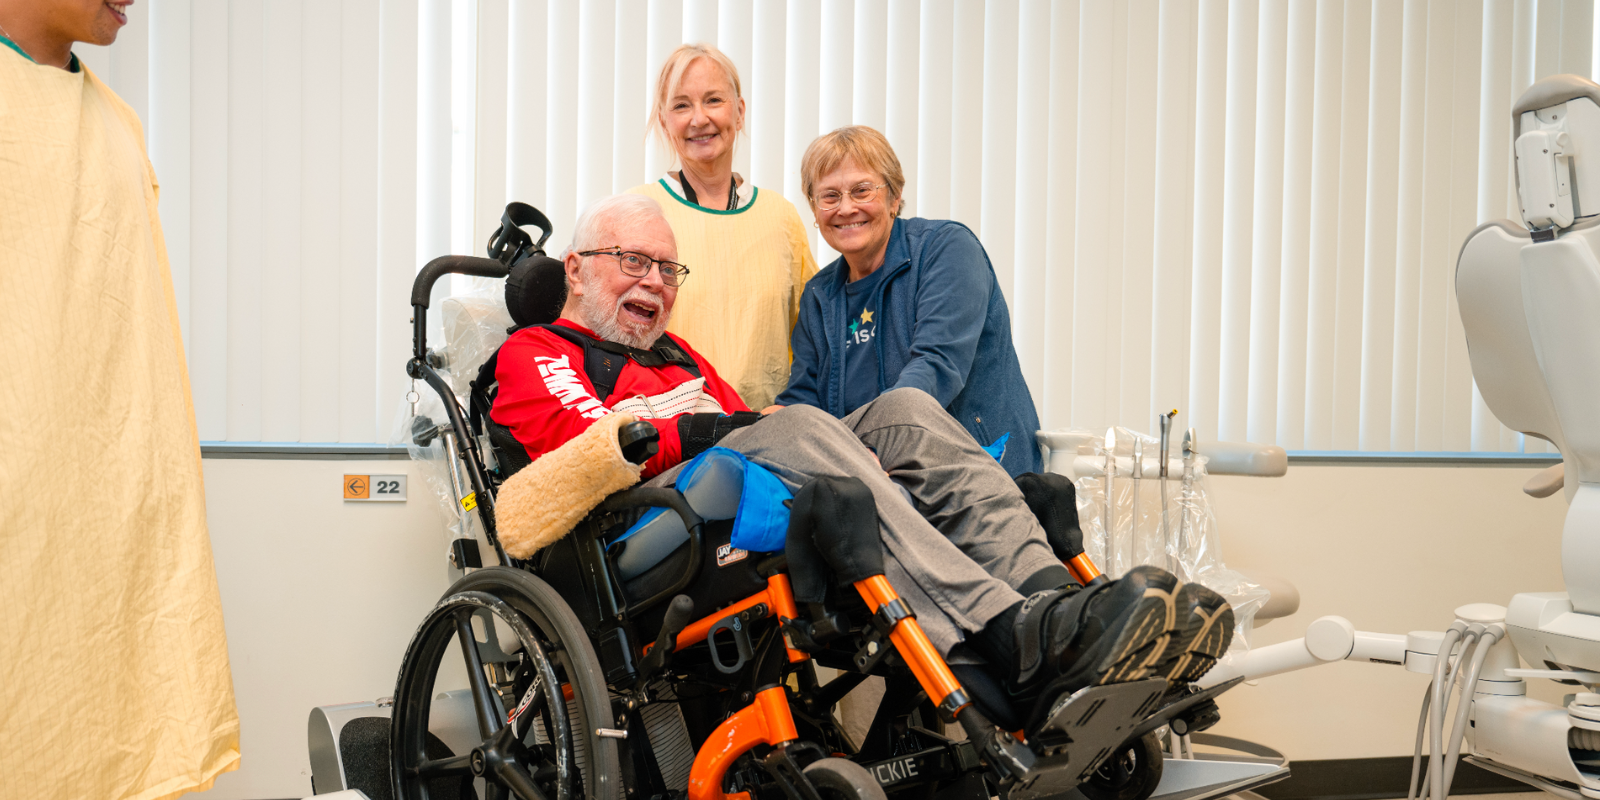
x,y
605,318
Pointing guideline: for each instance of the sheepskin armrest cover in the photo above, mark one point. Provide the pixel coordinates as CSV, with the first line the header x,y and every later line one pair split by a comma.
x,y
547,498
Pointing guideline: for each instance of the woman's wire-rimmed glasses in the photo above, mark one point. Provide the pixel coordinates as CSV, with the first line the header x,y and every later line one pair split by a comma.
x,y
637,265
859,194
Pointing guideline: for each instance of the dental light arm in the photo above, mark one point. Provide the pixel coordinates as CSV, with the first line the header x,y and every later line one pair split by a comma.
x,y
1327,640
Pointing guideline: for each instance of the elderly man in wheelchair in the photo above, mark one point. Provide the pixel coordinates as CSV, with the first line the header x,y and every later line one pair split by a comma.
x,y
663,639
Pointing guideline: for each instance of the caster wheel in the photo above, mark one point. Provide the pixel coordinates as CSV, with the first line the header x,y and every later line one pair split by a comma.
x,y
841,779
1130,773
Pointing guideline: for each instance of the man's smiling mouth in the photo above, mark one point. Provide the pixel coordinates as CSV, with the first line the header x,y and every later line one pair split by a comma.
x,y
640,311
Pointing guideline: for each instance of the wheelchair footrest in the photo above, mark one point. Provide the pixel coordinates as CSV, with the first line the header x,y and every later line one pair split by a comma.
x,y
1089,725
1189,701
1083,729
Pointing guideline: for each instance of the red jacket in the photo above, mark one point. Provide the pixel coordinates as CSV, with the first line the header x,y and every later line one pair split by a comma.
x,y
545,398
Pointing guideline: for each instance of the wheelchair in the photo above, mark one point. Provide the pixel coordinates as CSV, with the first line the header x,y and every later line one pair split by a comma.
x,y
604,666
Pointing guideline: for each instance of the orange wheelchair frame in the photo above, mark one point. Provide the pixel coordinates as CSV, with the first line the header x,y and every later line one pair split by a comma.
x,y
768,720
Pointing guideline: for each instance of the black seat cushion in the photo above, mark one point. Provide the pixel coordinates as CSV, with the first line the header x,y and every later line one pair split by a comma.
x,y
715,586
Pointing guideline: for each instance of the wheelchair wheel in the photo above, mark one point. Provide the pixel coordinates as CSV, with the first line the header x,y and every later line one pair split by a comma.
x,y
841,779
550,747
1130,773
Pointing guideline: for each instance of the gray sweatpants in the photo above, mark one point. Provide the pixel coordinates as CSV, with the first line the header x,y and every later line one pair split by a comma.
x,y
970,539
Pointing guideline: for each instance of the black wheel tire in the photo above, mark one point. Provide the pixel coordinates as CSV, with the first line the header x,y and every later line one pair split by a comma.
x,y
841,779
548,613
1130,773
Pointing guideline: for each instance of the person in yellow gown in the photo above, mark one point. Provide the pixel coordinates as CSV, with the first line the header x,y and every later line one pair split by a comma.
x,y
114,678
746,247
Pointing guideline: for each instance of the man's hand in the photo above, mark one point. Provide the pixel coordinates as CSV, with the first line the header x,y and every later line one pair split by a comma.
x,y
770,409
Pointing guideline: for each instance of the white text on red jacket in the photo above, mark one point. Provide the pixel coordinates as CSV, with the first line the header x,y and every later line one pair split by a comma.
x,y
567,387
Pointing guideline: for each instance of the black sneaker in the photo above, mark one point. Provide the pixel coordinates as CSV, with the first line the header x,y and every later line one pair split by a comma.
x,y
1112,633
1204,632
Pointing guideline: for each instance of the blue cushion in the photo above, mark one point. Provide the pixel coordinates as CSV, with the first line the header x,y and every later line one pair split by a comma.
x,y
718,484
763,519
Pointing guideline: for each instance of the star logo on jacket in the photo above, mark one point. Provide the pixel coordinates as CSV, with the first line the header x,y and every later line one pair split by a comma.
x,y
866,316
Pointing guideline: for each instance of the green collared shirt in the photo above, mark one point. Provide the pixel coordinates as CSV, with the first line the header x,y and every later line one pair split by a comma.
x,y
72,63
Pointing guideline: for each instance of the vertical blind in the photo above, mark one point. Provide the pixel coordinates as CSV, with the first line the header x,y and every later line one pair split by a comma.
x,y
1245,209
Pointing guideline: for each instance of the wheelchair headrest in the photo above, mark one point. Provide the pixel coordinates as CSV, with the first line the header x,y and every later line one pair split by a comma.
x,y
536,290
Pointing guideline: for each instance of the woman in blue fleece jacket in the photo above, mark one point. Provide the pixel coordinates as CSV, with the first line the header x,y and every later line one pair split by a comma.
x,y
909,303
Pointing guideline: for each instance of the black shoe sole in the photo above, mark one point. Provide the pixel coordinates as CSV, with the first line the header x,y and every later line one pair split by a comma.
x,y
1139,647
1205,633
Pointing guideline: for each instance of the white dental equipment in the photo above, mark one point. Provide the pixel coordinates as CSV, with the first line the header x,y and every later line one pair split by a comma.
x,y
1529,297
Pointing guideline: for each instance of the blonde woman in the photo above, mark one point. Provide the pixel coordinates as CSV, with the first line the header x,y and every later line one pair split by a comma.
x,y
909,303
747,247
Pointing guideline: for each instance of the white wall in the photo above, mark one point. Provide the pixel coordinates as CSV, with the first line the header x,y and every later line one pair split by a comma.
x,y
1392,549
321,596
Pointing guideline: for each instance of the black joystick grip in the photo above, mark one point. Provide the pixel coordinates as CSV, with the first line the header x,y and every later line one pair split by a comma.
x,y
639,441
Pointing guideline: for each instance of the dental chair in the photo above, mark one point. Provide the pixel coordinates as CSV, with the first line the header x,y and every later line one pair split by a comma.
x,y
1529,296
1530,303
634,658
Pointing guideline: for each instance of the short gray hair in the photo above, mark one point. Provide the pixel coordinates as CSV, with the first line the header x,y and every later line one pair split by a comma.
x,y
617,212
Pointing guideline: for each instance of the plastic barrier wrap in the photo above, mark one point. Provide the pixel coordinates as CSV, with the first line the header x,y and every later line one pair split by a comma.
x,y
432,465
1184,540
475,325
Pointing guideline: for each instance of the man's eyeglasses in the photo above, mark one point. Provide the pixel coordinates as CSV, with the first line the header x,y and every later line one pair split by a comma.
x,y
637,265
859,194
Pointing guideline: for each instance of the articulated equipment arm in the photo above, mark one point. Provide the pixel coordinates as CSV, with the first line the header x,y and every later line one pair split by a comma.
x,y
1328,639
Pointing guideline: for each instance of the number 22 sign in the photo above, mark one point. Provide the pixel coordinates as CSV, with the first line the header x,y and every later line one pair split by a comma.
x,y
376,488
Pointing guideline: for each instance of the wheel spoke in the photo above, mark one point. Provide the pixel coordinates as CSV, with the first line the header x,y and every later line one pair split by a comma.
x,y
518,780
488,721
444,767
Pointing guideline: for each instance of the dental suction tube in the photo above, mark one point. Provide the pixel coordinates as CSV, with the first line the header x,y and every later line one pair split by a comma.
x,y
1441,712
1165,423
1469,689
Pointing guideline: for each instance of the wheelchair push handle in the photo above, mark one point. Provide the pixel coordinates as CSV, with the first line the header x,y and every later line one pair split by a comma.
x,y
422,292
422,287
